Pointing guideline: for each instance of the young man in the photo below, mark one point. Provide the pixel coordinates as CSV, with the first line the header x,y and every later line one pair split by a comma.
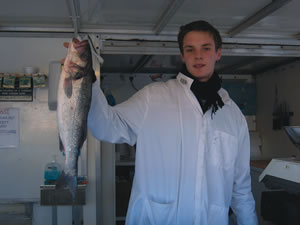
x,y
192,158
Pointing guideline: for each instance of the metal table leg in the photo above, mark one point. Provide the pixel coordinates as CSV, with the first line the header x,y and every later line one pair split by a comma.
x,y
54,215
77,214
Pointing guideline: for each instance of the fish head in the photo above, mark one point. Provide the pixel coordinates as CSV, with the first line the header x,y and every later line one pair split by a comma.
x,y
79,55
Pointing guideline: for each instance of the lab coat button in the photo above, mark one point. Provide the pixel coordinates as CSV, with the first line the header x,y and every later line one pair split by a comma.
x,y
183,81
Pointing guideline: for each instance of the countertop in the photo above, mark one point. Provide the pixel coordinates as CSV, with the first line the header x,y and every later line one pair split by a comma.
x,y
261,164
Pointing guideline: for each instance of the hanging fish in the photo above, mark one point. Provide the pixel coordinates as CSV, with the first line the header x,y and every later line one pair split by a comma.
x,y
73,103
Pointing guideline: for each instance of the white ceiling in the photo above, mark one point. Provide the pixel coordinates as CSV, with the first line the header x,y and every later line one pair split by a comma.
x,y
257,34
145,17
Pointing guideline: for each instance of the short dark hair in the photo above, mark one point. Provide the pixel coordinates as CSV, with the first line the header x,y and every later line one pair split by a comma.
x,y
200,25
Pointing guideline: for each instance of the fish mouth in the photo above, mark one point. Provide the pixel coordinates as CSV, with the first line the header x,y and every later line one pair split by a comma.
x,y
77,42
79,45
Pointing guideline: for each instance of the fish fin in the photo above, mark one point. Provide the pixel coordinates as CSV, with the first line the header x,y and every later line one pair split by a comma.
x,y
66,180
83,71
61,145
79,74
68,87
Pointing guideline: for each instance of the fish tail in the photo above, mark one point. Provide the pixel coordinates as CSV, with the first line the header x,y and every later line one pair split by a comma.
x,y
69,181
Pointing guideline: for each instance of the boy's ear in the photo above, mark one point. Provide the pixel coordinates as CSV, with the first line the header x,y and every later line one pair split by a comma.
x,y
182,57
219,54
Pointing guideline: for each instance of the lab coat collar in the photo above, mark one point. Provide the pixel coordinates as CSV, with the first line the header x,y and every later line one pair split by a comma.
x,y
186,82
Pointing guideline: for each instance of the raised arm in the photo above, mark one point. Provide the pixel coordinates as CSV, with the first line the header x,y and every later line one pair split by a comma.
x,y
118,124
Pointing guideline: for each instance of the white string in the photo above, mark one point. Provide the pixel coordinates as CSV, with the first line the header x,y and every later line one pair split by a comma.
x,y
86,37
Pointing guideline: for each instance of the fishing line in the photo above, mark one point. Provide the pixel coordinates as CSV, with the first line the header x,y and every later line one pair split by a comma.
x,y
93,49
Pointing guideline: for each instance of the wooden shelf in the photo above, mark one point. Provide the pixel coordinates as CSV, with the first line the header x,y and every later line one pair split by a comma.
x,y
120,218
125,163
261,164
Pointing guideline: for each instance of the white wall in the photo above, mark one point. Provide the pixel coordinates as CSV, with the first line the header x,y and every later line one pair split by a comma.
x,y
23,167
275,143
19,52
22,170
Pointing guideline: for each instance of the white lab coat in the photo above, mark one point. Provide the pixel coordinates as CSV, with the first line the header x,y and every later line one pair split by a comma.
x,y
190,168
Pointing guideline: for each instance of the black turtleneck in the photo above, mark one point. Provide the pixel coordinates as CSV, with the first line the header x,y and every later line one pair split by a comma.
x,y
206,92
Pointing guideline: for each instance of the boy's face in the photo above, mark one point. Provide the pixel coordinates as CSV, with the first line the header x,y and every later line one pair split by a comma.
x,y
200,54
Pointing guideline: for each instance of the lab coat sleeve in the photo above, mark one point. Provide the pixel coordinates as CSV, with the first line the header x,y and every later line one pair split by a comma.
x,y
118,124
243,204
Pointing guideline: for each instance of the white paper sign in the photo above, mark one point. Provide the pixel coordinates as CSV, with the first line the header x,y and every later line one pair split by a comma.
x,y
9,128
